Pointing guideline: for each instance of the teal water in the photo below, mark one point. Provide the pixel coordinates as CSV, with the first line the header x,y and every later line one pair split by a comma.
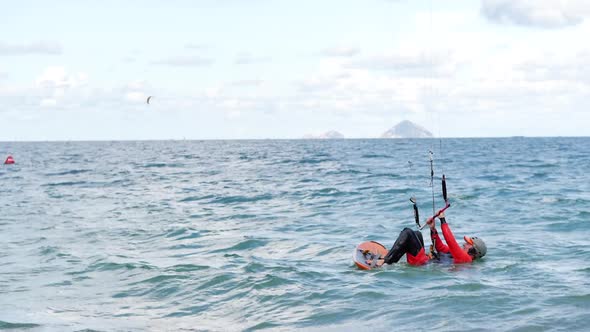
x,y
248,235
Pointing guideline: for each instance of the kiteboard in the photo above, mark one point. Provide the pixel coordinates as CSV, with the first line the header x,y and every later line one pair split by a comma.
x,y
369,255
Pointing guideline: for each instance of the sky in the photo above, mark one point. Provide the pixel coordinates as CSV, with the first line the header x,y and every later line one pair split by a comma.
x,y
256,69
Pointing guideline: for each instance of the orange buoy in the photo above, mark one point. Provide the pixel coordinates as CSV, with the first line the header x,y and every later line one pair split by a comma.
x,y
9,161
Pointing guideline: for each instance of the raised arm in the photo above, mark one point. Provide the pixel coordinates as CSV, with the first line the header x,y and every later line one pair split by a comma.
x,y
459,255
437,241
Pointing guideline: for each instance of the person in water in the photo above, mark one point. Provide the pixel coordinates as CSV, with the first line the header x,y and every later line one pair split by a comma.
x,y
411,244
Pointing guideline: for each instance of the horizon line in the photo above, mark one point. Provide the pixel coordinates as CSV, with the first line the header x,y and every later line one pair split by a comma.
x,y
278,139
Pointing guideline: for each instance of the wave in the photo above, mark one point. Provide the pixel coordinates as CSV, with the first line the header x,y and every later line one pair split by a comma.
x,y
186,268
186,232
374,155
14,326
327,192
313,161
196,198
385,175
244,245
240,199
112,266
65,184
70,172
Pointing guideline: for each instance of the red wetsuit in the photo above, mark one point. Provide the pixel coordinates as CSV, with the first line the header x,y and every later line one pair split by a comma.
x,y
410,243
452,247
419,259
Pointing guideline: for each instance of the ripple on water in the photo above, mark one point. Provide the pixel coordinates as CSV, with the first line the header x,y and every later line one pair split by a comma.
x,y
186,268
113,266
17,326
64,184
70,172
243,245
212,284
240,199
183,233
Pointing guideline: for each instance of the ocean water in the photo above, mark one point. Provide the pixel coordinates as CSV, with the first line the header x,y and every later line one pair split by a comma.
x,y
249,235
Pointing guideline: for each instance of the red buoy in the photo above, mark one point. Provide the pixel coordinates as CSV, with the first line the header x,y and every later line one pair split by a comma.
x,y
9,161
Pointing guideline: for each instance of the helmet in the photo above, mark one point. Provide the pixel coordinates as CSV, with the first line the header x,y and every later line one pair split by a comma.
x,y
478,244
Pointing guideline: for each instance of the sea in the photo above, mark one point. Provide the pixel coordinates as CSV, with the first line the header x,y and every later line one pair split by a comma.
x,y
245,235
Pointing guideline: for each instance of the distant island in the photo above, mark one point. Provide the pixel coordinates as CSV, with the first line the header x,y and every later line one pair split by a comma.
x,y
407,129
332,134
404,129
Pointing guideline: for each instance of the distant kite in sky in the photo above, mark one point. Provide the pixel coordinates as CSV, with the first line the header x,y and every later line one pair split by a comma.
x,y
148,99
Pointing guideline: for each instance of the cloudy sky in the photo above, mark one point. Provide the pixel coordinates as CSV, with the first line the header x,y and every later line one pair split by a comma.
x,y
82,70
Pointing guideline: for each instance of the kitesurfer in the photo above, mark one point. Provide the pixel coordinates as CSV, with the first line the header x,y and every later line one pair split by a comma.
x,y
411,243
473,248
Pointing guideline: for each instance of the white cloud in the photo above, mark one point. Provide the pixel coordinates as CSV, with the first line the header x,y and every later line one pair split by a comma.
x,y
354,92
512,81
406,63
573,69
137,85
56,76
55,85
38,47
516,81
129,59
48,102
341,51
362,92
135,92
195,46
136,96
213,92
185,61
539,13
247,83
246,58
232,115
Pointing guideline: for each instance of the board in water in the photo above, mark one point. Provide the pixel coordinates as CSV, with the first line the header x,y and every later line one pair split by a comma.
x,y
367,254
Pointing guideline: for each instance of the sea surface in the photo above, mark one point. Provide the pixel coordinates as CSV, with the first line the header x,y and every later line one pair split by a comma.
x,y
259,235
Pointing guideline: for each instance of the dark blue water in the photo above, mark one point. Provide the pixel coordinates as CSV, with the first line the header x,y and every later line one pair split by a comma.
x,y
245,235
